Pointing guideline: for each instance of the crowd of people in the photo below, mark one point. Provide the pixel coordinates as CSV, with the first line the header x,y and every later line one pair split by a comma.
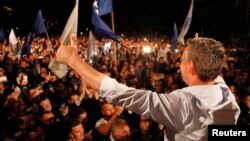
x,y
37,105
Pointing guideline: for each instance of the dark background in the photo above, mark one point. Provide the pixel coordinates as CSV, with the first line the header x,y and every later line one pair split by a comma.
x,y
219,19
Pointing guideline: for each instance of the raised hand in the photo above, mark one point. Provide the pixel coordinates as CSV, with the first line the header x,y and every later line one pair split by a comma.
x,y
118,110
66,53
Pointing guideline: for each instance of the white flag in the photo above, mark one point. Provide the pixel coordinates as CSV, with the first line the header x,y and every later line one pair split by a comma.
x,y
71,26
91,46
186,24
60,70
12,39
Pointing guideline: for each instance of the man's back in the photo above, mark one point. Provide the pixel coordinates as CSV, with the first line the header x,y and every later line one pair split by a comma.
x,y
209,104
186,112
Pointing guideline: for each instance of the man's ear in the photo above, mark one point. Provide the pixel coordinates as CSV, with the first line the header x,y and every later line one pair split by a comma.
x,y
192,68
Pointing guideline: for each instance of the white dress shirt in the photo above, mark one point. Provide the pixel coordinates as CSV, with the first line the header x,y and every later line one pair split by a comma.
x,y
186,112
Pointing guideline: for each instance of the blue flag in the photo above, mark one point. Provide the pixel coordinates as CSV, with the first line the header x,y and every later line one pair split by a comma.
x,y
27,45
186,24
101,28
175,38
105,6
39,26
2,35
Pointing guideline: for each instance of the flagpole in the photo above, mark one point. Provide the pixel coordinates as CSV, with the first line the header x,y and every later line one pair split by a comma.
x,y
47,35
113,21
49,42
113,29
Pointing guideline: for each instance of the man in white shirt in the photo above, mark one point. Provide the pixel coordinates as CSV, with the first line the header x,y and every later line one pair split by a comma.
x,y
186,112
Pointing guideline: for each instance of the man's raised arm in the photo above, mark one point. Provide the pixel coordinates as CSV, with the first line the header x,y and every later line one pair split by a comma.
x,y
67,54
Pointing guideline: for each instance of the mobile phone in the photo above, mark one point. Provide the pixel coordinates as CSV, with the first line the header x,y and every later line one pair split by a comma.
x,y
25,78
3,79
40,57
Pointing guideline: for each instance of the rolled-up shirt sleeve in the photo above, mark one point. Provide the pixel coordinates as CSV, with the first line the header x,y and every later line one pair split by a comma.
x,y
107,85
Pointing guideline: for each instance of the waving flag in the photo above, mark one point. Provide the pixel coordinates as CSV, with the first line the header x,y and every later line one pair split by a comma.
x,y
91,46
12,39
2,35
71,26
104,6
27,44
186,24
101,28
37,29
60,70
175,37
39,26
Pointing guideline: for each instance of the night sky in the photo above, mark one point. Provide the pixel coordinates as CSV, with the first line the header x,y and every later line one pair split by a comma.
x,y
214,18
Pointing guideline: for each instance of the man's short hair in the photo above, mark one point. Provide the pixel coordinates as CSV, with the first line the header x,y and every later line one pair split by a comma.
x,y
208,56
